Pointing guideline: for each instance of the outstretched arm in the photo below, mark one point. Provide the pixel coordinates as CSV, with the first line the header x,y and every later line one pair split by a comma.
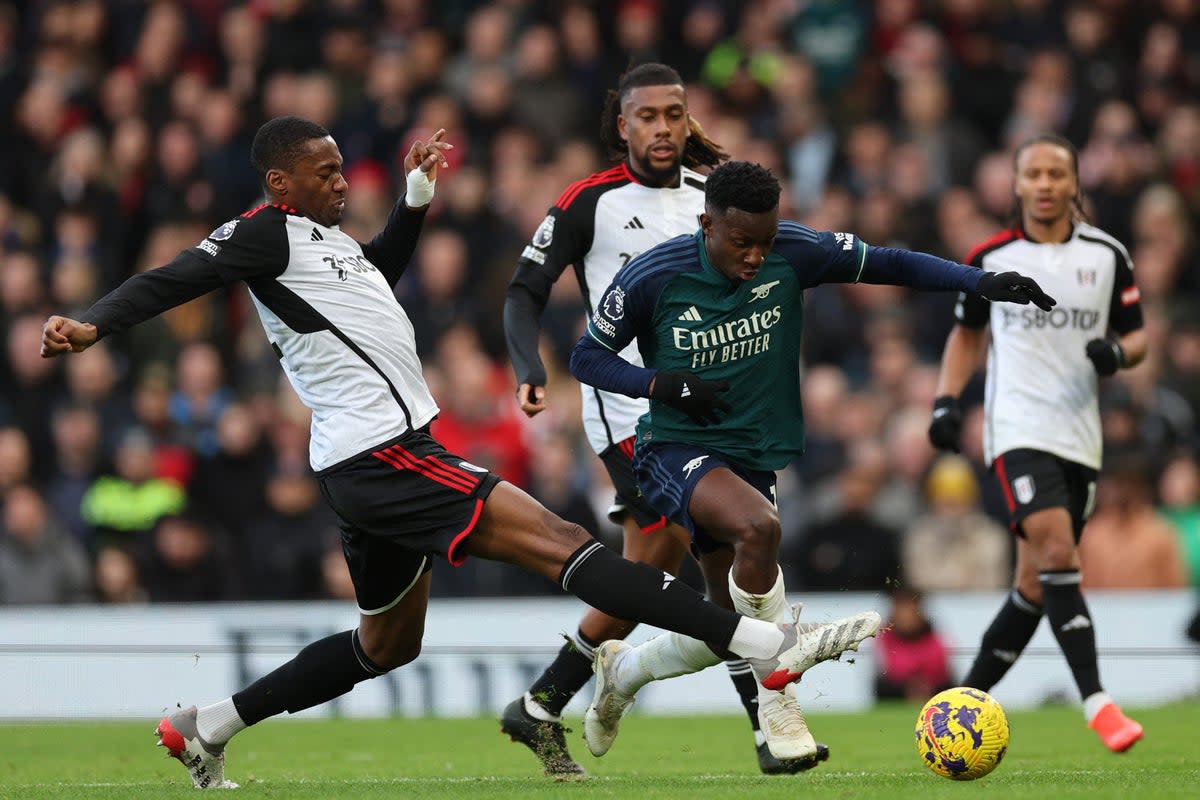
x,y
136,300
922,271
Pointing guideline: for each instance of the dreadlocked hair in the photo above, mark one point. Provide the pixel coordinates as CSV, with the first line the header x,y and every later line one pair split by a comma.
x,y
699,150
1058,141
741,185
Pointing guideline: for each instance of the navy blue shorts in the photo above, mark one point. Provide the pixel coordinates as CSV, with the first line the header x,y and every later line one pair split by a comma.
x,y
629,500
1034,480
398,506
667,473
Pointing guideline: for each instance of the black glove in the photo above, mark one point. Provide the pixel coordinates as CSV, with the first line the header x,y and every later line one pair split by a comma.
x,y
946,426
691,394
1106,355
1013,287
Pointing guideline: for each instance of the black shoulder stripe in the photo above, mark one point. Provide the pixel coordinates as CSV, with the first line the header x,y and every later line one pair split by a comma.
x,y
1119,258
695,183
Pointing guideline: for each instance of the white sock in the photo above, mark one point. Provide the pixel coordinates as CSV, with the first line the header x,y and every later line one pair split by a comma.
x,y
772,606
536,711
218,723
1093,704
756,638
665,656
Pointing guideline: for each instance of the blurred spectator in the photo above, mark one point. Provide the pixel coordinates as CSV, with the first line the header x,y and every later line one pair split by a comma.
x,y
1179,489
15,460
78,457
122,507
480,418
441,300
1126,544
28,389
833,35
556,480
955,546
117,579
914,662
200,397
184,563
279,552
850,551
40,563
231,483
92,380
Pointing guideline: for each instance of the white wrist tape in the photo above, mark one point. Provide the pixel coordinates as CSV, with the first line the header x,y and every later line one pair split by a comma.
x,y
420,189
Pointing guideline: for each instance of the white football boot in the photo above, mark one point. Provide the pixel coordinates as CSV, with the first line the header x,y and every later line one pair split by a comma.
x,y
603,717
802,649
205,762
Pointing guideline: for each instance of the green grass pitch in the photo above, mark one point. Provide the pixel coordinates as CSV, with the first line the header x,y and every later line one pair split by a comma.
x,y
1052,755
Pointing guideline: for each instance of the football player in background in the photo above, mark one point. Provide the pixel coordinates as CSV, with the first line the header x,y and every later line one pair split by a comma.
x,y
1042,431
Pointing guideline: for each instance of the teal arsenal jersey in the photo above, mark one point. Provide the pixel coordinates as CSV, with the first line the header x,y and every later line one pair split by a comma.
x,y
687,316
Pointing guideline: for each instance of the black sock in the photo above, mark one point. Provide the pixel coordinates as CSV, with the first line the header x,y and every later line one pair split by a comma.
x,y
1003,641
323,670
1072,626
747,687
562,679
641,593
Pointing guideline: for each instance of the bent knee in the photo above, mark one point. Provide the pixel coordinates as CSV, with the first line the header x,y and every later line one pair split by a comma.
x,y
761,530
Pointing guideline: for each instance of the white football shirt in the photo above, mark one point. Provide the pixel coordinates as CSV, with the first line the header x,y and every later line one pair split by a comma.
x,y
1041,390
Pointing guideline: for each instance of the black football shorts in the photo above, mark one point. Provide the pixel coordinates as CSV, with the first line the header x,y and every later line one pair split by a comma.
x,y
399,506
1033,480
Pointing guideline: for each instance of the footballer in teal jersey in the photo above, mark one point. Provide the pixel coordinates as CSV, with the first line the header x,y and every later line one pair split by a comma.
x,y
688,316
718,316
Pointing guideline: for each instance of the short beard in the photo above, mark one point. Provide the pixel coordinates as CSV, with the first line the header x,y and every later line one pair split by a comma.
x,y
660,177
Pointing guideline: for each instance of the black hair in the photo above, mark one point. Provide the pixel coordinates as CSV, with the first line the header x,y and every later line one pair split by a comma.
x,y
699,151
741,185
279,143
1057,141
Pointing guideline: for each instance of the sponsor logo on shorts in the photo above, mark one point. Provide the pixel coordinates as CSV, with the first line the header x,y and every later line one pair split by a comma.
x,y
1023,488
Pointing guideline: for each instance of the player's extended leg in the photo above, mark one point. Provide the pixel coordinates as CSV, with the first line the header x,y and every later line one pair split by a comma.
x,y
535,718
328,668
515,528
1051,539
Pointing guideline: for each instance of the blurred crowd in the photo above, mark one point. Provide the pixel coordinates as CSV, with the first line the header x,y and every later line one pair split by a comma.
x,y
170,464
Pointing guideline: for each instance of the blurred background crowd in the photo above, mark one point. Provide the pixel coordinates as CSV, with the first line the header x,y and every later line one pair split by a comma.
x,y
170,464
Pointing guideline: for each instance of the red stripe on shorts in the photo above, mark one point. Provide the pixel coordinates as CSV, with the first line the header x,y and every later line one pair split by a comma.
x,y
458,562
398,461
1002,474
430,466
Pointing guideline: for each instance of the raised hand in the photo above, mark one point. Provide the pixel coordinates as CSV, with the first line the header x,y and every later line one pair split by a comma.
x,y
428,155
